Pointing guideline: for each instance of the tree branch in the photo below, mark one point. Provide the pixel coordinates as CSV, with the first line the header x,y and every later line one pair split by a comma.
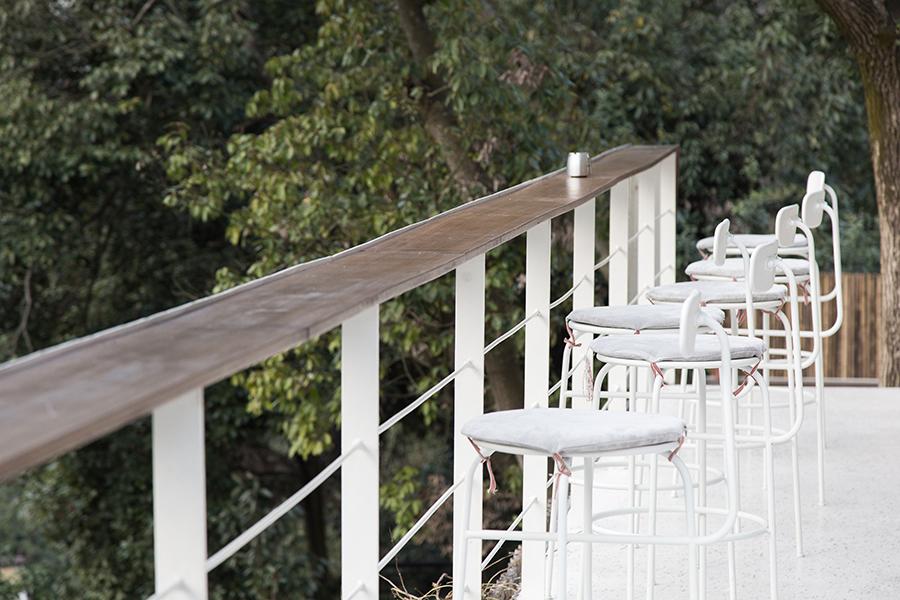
x,y
21,331
503,370
439,121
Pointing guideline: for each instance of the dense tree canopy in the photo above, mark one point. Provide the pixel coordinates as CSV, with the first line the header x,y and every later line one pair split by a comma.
x,y
148,145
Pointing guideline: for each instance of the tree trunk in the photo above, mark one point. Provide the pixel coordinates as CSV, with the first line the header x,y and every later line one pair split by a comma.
x,y
438,120
316,530
872,34
503,369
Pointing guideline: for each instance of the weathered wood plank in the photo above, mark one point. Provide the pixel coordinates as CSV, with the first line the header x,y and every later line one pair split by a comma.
x,y
69,395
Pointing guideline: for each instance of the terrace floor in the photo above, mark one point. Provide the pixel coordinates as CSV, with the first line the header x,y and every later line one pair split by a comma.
x,y
852,544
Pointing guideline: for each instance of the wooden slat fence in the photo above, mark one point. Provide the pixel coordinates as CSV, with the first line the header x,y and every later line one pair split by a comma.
x,y
853,352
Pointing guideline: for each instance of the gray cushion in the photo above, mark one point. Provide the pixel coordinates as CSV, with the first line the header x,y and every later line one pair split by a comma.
x,y
734,268
636,317
569,431
665,347
713,292
750,240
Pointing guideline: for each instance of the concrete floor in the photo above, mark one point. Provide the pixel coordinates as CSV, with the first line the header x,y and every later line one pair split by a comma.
x,y
852,544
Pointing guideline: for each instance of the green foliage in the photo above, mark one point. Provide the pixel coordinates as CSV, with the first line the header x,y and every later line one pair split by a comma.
x,y
280,135
745,90
755,95
86,90
401,497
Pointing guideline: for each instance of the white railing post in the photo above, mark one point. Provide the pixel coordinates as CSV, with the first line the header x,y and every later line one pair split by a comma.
x,y
648,242
179,498
468,402
668,189
583,260
622,225
359,473
622,280
583,257
537,373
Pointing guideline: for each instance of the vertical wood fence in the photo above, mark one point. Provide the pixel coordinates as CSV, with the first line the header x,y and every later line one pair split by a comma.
x,y
852,353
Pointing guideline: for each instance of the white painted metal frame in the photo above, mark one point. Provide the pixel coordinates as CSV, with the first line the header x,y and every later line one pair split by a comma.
x,y
691,539
622,277
537,373
179,498
667,249
583,254
359,474
648,259
468,403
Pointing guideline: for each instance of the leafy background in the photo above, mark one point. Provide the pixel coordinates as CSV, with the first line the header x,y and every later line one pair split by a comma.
x,y
152,151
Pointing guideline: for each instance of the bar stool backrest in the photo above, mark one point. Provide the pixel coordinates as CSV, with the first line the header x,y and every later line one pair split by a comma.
x,y
815,181
720,242
786,224
813,208
687,331
762,260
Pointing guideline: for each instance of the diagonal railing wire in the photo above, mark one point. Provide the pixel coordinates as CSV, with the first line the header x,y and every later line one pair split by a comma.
x,y
556,386
511,331
401,543
357,589
513,525
648,287
177,586
279,511
423,398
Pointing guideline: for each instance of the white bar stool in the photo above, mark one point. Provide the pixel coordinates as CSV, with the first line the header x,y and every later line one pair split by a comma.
x,y
617,320
814,206
662,352
566,433
757,295
563,434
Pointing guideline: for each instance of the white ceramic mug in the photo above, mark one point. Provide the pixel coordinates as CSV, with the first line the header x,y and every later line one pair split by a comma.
x,y
579,164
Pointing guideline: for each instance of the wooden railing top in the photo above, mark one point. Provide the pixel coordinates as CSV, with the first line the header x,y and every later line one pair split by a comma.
x,y
68,395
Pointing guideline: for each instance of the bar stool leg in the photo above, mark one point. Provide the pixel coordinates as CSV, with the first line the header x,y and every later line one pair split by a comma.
x,y
588,527
651,548
629,562
551,546
634,497
654,485
767,342
796,393
682,410
770,492
732,561
700,378
820,425
691,522
633,390
562,536
565,375
462,541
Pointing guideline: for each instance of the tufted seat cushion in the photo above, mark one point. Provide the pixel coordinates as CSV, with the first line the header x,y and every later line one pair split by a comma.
x,y
734,268
569,432
635,317
713,292
665,347
751,240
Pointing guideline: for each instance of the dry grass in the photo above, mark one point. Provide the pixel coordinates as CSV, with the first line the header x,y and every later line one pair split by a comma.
x,y
502,586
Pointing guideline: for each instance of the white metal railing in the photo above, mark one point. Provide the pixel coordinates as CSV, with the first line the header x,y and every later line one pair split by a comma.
x,y
642,254
642,238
